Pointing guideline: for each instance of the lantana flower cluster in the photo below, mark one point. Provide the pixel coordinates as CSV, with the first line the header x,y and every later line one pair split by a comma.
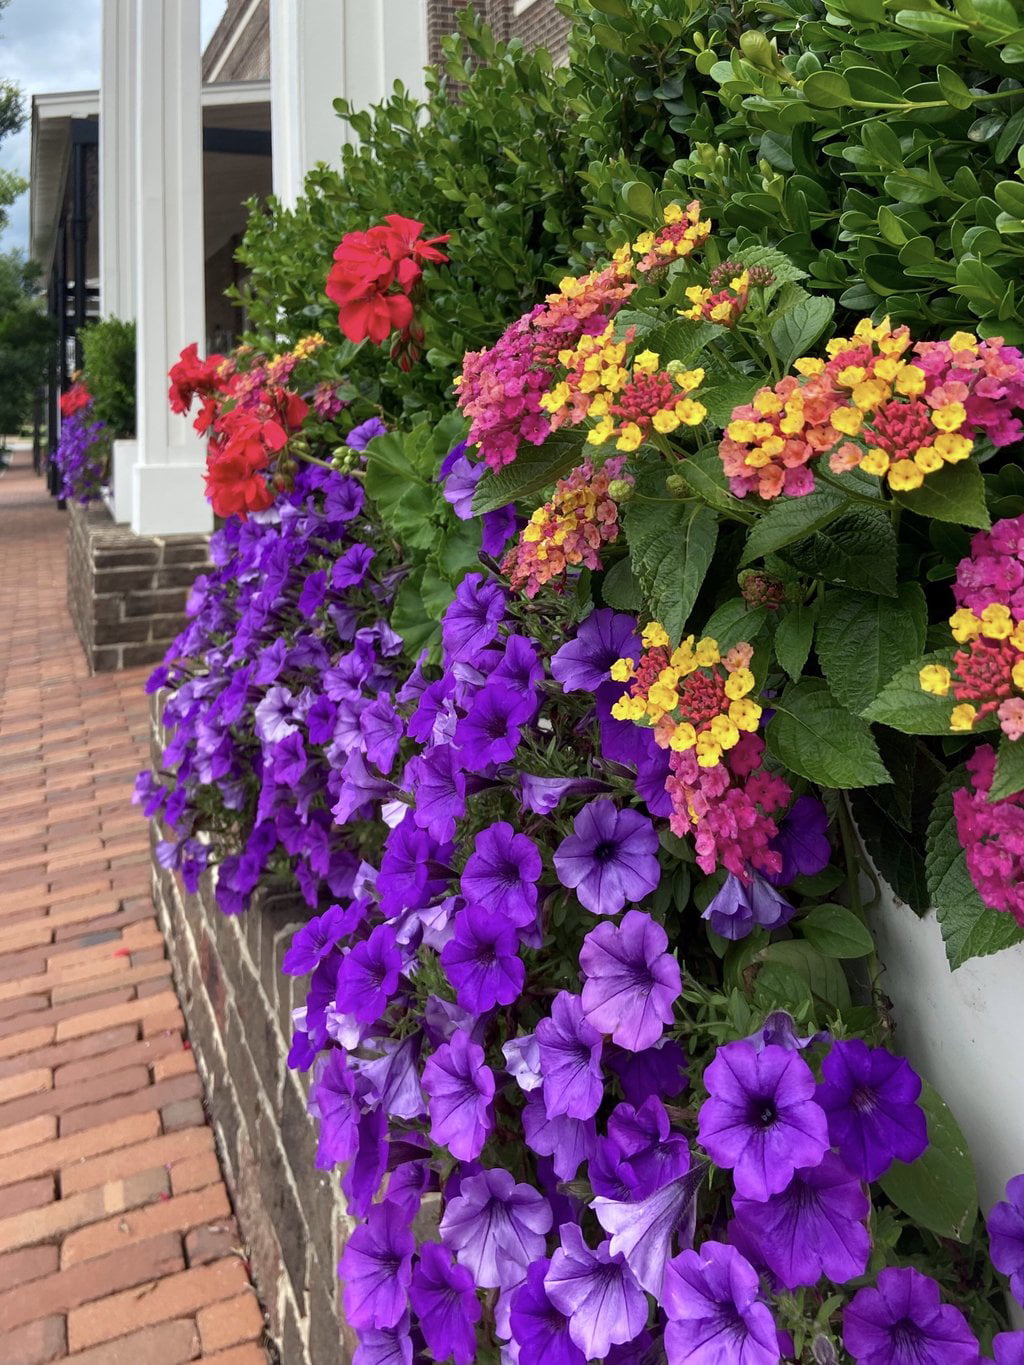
x,y
992,835
723,300
682,232
82,455
374,276
895,409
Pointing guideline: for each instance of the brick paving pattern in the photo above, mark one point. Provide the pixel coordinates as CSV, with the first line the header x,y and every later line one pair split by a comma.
x,y
117,1241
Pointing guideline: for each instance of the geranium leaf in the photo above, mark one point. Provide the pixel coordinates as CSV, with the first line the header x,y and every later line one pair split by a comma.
x,y
955,493
939,1189
671,544
816,738
864,638
1009,776
534,468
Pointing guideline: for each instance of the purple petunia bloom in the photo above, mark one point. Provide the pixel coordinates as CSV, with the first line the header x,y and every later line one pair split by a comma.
x,y
632,982
870,1098
289,761
542,795
570,1058
760,1119
491,730
646,1232
1006,1236
802,841
522,1061
440,786
496,1227
502,874
472,620
444,1299
585,663
351,567
412,869
741,906
382,730
597,1292
539,1329
715,1315
482,960
315,940
1009,1348
392,1081
332,1099
361,436
640,1153
814,1227
314,590
569,1142
520,667
384,1346
610,858
659,1070
460,1089
376,1268
903,1321
368,975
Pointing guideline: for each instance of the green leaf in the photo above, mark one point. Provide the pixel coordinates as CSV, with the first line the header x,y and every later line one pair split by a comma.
x,y
793,639
863,639
733,622
703,471
821,972
816,738
792,519
406,502
969,927
1010,197
1009,776
410,618
954,493
777,262
857,548
836,932
826,90
954,91
639,199
671,545
796,331
939,1189
619,588
534,468
905,705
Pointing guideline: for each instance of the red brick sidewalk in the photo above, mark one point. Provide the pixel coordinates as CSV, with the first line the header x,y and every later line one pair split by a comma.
x,y
117,1244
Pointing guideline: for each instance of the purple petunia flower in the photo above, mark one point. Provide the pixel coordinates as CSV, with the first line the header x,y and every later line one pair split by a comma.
x,y
315,940
362,1178
376,1268
539,1329
569,1142
632,982
520,667
314,590
1009,1348
802,841
288,762
570,1058
440,786
382,730
482,960
368,975
384,1346
647,1232
491,730
640,1153
445,1302
471,621
361,436
760,1119
542,795
522,1061
870,1098
332,1099
496,1227
412,869
502,874
610,858
903,1321
814,1227
585,663
1006,1236
460,1089
741,906
715,1315
659,1070
351,567
597,1292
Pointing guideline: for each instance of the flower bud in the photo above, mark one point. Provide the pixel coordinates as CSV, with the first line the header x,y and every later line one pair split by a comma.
x,y
677,486
760,589
620,490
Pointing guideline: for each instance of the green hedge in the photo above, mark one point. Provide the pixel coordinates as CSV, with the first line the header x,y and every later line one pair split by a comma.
x,y
108,369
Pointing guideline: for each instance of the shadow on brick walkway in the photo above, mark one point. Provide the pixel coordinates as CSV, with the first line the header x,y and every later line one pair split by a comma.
x,y
117,1243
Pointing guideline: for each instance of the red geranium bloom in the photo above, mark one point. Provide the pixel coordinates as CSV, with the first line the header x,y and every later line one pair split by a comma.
x,y
190,376
76,398
404,239
366,267
234,488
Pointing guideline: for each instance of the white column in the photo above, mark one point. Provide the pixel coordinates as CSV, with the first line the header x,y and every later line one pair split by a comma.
x,y
323,50
167,494
118,116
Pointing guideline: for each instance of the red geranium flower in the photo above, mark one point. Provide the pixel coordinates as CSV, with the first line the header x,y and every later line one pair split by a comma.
x,y
368,266
190,376
234,487
76,398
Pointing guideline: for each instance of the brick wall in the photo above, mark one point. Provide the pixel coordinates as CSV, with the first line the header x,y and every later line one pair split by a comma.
x,y
238,1009
538,25
126,593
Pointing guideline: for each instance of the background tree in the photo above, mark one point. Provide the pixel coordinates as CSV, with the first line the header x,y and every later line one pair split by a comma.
x,y
26,333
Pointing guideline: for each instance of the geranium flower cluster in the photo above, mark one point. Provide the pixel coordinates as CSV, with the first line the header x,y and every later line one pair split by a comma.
x,y
893,408
569,530
374,276
75,399
501,389
992,834
988,674
82,455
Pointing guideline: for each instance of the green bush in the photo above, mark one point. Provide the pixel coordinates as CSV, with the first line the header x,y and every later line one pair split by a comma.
x,y
108,368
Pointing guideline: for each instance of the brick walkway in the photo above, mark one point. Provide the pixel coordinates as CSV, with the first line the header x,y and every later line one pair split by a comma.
x,y
117,1244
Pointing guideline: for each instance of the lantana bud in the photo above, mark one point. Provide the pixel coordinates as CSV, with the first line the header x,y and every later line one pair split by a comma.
x,y
760,589
620,491
677,486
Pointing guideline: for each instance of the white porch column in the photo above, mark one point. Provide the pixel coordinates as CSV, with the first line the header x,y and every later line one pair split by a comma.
x,y
167,493
118,116
323,50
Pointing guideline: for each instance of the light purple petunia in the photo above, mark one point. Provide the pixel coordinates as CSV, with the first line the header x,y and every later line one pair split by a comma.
x,y
361,436
761,1120
1006,1236
387,1346
393,1081
870,1097
539,1329
585,662
815,1226
522,1061
903,1321
597,1292
632,981
383,730
472,620
492,728
444,1300
482,960
460,1091
610,858
376,1268
715,1314
368,975
440,786
315,940
647,1232
502,874
740,907
496,1227
542,795
570,1059
569,1142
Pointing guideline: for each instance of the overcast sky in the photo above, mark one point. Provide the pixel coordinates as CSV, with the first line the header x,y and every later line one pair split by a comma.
x,y
53,45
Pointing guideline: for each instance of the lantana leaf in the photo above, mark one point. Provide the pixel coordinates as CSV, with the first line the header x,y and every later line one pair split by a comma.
x,y
671,545
816,738
1009,778
793,638
864,638
792,519
954,493
535,467
905,705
